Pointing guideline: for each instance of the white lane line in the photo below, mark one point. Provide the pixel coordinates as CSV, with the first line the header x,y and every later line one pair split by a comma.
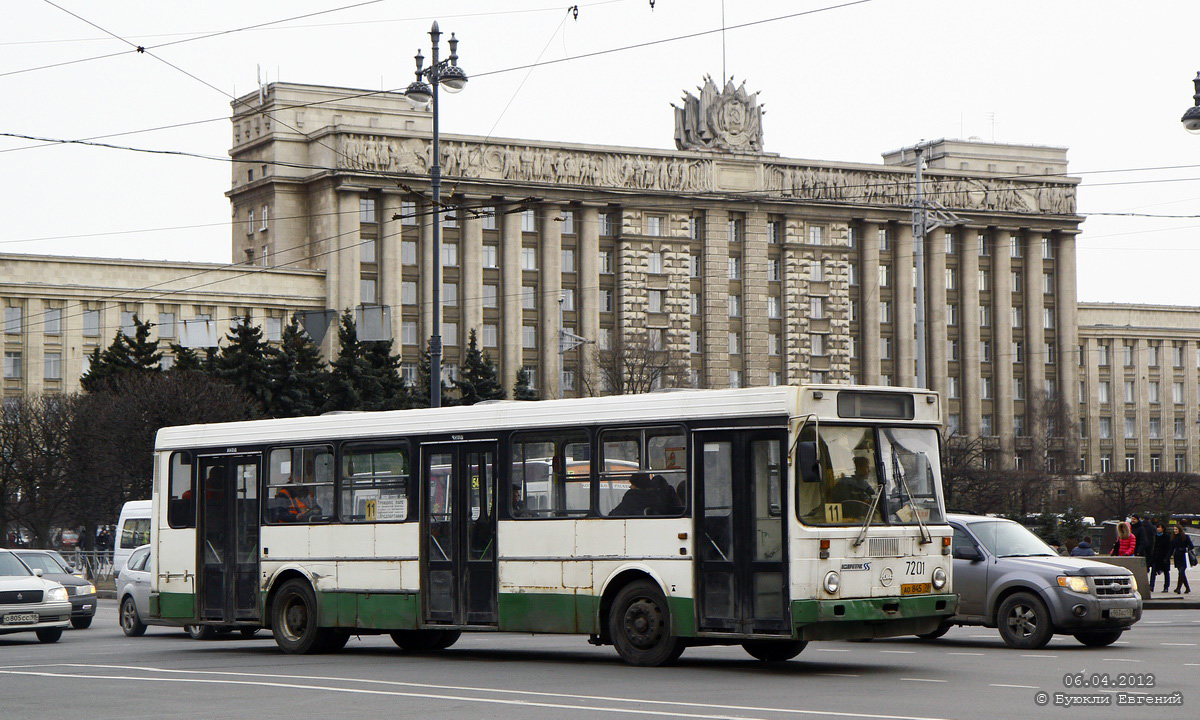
x,y
1040,656
1157,622
899,652
1180,644
923,680
1122,660
1022,687
227,678
838,675
1192,664
964,653
832,650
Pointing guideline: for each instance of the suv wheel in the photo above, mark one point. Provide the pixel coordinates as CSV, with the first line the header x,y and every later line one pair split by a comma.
x,y
1098,638
1024,622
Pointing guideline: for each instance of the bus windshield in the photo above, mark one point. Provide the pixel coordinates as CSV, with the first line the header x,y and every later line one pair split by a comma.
x,y
889,473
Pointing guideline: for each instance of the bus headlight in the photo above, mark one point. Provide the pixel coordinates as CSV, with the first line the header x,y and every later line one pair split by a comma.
x,y
832,582
939,578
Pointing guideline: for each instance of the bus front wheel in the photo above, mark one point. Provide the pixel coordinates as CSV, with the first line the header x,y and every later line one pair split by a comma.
x,y
295,620
640,626
774,650
420,641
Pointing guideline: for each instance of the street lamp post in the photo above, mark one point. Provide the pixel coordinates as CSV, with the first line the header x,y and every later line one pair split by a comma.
x,y
1191,118
444,73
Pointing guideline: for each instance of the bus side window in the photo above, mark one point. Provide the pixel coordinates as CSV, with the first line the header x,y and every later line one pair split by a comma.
x,y
181,501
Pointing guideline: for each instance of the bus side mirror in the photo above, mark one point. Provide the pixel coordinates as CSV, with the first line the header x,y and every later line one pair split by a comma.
x,y
808,462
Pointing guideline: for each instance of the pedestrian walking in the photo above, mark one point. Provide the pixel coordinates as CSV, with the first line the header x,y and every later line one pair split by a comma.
x,y
1126,544
1084,548
1142,534
1160,557
1183,552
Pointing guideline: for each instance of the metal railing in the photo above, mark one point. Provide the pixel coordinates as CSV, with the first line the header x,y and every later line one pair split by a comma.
x,y
96,565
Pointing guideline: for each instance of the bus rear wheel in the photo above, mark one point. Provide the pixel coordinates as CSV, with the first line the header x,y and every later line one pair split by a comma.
x,y
418,641
640,626
774,650
295,620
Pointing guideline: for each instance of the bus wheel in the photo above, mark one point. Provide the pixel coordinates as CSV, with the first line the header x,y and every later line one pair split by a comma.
x,y
425,640
248,632
640,626
774,650
201,632
335,640
294,618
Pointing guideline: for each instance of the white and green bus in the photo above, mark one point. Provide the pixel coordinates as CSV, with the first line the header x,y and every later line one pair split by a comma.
x,y
764,517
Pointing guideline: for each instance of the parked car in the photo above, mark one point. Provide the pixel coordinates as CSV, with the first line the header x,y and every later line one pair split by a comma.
x,y
54,567
1008,578
133,597
30,602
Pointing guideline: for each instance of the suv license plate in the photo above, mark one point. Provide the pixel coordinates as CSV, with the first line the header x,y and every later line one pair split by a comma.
x,y
1120,613
915,589
20,618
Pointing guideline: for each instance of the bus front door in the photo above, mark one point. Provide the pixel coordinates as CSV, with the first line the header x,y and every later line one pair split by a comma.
x,y
229,515
459,572
741,532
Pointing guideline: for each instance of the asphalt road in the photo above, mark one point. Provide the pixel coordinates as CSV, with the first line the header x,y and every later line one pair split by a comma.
x,y
967,675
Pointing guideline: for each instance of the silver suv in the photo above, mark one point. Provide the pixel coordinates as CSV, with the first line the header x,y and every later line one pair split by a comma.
x,y
1008,578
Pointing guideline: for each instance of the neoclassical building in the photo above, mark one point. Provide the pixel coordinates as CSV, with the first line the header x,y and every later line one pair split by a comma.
x,y
744,266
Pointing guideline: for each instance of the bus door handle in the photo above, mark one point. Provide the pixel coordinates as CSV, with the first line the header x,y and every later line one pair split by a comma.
x,y
186,575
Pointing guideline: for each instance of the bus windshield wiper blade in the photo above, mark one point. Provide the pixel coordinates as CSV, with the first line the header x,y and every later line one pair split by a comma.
x,y
862,533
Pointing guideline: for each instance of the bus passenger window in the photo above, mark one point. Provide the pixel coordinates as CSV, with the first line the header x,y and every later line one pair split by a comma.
x,y
551,476
181,501
642,471
300,485
375,483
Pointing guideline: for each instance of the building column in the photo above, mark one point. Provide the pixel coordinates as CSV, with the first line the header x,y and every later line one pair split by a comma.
x,y
1066,306
971,403
349,254
755,323
903,329
935,316
868,301
1004,405
510,300
425,255
1035,331
589,289
549,295
470,281
391,234
716,298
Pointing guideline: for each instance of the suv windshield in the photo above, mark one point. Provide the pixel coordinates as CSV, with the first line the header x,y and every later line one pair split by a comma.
x,y
1004,538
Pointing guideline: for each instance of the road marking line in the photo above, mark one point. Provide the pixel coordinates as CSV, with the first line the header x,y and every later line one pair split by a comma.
x,y
1180,644
832,650
964,653
899,652
923,680
1040,656
1022,687
1122,660
839,675
228,678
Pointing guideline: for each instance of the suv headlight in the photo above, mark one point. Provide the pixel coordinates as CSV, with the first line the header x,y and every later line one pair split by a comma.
x,y
939,578
56,593
1073,582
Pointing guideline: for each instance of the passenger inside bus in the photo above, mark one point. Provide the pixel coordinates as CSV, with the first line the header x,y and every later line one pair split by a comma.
x,y
648,496
857,486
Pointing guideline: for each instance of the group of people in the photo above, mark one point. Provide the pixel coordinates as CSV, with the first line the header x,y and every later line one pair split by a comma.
x,y
1161,547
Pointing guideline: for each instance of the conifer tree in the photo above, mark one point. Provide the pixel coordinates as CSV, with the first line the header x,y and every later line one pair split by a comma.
x,y
298,375
522,390
345,370
478,379
122,356
245,363
420,393
186,360
365,375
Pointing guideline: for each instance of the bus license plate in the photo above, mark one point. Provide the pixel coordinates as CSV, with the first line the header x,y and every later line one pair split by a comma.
x,y
1120,613
915,589
20,618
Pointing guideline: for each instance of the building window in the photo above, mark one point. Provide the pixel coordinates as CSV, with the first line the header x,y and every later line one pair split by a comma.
x,y
528,221
885,311
885,240
1155,394
1105,391
450,294
735,344
529,336
694,266
885,272
1131,462
408,292
52,369
1155,428
605,263
735,378
1177,393
1016,281
737,229
775,270
985,316
1180,429
606,224
528,297
986,426
488,216
952,315
1130,392
773,306
12,365
408,252
656,300
263,226
735,306
773,234
985,280
250,223
735,267
13,317
952,349
985,350
1014,246
984,249
952,387
774,378
1106,428
166,325
818,271
1047,248
816,235
694,342
568,221
985,387
951,278
1106,462
774,344
1047,283
818,344
91,323
449,254
1104,354
816,308
1153,354
408,213
949,242
1130,427
1180,462
885,349
1018,388
1048,318
491,295
606,301
528,258
568,260
1017,316
450,334
654,225
491,256
408,333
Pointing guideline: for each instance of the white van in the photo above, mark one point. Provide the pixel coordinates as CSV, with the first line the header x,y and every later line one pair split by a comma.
x,y
133,530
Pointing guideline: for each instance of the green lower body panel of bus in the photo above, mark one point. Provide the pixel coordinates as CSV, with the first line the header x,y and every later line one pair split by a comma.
x,y
565,613
864,618
173,606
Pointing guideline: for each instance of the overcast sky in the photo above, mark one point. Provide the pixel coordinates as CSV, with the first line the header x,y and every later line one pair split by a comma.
x,y
847,81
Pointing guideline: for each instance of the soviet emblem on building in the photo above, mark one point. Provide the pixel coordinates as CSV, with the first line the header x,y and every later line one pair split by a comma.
x,y
727,121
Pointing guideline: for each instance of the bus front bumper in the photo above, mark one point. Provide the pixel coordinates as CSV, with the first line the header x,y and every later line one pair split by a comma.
x,y
865,618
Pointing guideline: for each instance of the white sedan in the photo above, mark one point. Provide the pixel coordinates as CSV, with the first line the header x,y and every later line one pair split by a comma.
x,y
29,602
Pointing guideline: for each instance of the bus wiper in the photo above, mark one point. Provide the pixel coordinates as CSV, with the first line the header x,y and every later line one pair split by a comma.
x,y
926,537
862,533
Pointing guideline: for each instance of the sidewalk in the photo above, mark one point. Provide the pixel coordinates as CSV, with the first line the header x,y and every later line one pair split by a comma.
x,y
1171,601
